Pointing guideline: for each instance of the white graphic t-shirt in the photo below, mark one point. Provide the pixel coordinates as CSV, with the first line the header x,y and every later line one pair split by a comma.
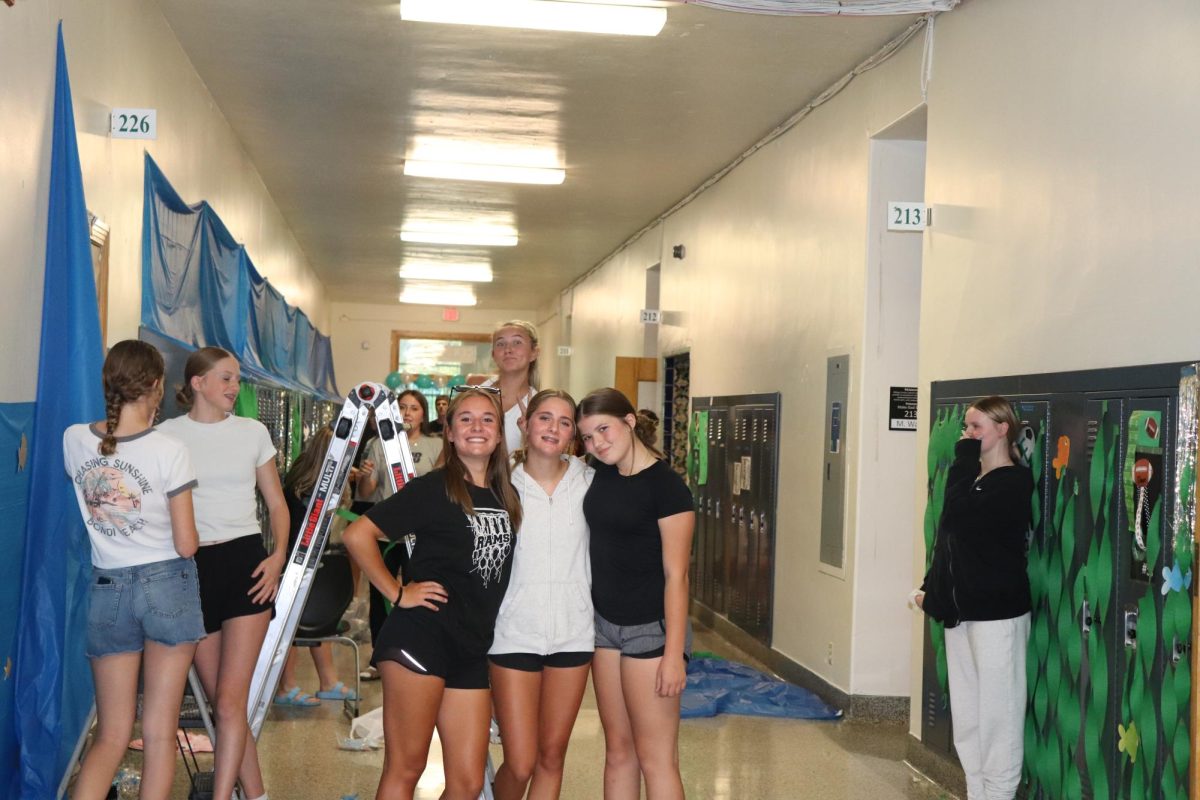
x,y
124,497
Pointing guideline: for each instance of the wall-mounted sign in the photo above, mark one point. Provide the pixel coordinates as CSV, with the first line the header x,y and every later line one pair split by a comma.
x,y
907,216
835,427
564,350
651,316
134,123
902,408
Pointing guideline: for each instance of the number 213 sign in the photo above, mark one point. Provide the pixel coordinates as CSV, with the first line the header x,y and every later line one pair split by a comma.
x,y
907,216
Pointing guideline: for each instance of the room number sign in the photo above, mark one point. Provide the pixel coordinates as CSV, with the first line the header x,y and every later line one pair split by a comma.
x,y
134,123
907,216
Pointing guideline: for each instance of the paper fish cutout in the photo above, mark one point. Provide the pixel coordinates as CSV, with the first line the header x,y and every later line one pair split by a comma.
x,y
1128,741
7,668
1064,455
1174,580
22,454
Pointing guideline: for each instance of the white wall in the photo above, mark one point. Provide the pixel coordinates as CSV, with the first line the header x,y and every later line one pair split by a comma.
x,y
772,284
1062,168
887,459
357,323
119,53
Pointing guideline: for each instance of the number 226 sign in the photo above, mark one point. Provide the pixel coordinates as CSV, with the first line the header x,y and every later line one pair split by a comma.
x,y
907,216
134,123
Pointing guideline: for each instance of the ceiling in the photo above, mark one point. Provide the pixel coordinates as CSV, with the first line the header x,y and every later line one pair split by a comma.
x,y
328,98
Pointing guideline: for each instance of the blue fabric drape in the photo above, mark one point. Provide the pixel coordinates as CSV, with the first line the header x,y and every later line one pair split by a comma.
x,y
199,287
53,682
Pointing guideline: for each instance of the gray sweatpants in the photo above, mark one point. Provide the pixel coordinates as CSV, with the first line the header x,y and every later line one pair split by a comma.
x,y
986,661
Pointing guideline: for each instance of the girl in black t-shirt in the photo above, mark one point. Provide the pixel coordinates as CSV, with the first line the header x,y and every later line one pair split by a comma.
x,y
640,517
432,651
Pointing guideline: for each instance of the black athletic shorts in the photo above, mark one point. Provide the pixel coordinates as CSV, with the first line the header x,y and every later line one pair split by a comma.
x,y
421,644
532,662
225,571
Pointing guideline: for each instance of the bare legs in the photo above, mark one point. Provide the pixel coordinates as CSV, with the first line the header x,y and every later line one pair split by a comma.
x,y
641,729
225,661
412,705
536,712
116,678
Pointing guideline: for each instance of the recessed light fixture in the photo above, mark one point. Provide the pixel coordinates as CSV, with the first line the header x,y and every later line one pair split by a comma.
x,y
446,294
495,173
477,272
546,15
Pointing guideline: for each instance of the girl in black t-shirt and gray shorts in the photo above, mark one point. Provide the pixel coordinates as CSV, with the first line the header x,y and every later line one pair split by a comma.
x,y
432,650
641,518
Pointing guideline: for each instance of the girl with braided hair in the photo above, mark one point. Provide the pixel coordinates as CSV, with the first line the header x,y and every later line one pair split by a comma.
x,y
238,578
134,488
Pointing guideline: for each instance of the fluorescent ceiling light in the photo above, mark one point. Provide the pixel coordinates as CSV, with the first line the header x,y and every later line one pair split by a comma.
x,y
435,271
545,15
447,294
450,233
495,173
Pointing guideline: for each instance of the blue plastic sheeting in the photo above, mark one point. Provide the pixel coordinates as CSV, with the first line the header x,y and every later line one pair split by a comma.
x,y
716,686
16,422
53,692
200,288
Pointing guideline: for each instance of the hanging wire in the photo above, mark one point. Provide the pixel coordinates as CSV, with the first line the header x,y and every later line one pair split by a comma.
x,y
927,57
863,8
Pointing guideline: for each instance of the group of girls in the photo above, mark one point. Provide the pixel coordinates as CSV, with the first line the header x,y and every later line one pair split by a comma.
x,y
179,571
526,572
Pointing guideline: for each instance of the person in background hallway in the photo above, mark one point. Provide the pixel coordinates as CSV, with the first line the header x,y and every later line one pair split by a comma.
x,y
375,486
134,487
544,635
978,587
238,578
297,491
515,351
640,517
440,404
432,651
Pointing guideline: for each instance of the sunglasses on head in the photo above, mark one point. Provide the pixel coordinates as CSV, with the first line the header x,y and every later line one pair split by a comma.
x,y
465,388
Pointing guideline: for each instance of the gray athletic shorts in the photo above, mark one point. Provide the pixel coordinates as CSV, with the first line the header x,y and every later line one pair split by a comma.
x,y
638,641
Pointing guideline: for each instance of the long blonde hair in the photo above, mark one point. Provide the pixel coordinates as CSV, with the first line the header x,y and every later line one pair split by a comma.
x,y
303,474
499,479
518,457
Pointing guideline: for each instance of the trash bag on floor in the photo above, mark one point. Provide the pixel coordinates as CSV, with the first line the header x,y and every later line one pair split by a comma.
x,y
716,686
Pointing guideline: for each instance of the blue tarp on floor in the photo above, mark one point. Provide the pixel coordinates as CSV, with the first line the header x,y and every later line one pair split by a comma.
x,y
716,686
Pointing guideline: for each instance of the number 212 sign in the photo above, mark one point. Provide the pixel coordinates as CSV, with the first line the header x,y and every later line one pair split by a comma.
x,y
134,123
907,216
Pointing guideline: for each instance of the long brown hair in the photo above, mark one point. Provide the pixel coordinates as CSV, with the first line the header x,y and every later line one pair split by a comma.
x,y
198,363
518,457
613,402
302,475
419,396
130,370
498,476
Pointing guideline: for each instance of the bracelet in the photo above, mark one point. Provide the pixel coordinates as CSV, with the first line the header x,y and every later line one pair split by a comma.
x,y
399,596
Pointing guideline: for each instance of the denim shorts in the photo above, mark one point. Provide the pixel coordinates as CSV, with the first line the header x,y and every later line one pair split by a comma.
x,y
159,602
638,641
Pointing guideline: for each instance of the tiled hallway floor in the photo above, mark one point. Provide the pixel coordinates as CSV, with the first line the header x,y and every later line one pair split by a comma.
x,y
742,758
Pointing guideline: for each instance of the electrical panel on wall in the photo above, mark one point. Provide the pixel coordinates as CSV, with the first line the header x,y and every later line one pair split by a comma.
x,y
733,466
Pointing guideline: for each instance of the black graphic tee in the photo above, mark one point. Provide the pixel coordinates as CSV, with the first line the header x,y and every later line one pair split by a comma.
x,y
626,546
471,556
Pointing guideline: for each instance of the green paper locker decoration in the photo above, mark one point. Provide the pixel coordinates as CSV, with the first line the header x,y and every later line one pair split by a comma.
x,y
1113,453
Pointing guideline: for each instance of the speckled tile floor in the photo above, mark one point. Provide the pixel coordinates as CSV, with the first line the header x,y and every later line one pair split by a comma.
x,y
740,758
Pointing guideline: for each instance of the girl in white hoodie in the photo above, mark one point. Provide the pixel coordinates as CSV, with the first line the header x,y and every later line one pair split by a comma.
x,y
545,633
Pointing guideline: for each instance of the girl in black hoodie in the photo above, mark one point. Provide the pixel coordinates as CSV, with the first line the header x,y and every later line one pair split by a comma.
x,y
978,587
